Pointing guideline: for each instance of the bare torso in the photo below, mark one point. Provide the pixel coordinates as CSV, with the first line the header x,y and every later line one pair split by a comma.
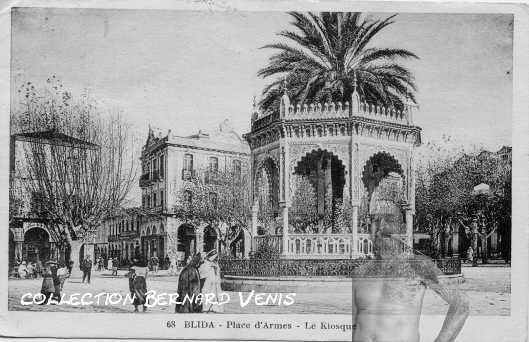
x,y
387,309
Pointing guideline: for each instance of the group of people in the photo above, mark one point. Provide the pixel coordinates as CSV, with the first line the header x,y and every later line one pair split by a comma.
x,y
53,277
200,275
28,270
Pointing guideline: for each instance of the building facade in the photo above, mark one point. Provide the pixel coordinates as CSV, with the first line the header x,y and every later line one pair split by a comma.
x,y
342,152
168,162
33,236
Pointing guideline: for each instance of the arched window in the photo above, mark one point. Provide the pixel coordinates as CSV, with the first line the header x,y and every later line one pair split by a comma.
x,y
153,230
161,228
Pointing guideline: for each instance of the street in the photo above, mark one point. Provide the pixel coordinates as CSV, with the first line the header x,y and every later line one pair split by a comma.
x,y
488,289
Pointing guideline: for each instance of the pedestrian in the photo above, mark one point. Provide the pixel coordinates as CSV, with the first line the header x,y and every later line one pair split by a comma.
x,y
155,264
189,285
210,282
70,266
87,269
470,255
138,284
50,282
22,270
115,267
38,268
63,274
30,270
109,265
167,262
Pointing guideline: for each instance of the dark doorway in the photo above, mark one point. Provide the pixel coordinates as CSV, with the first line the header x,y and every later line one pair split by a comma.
x,y
210,239
36,245
187,240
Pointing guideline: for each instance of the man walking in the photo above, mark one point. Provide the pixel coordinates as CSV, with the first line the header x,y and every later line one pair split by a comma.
x,y
87,269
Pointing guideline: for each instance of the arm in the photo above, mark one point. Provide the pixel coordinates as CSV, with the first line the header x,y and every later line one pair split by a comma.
x,y
457,314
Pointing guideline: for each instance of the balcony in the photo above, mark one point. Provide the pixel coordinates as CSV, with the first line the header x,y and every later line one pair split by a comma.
x,y
145,180
129,234
188,174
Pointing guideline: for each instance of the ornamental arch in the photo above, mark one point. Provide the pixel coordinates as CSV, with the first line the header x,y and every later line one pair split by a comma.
x,y
326,174
36,245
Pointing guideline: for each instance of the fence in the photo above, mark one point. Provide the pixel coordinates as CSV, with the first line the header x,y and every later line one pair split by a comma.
x,y
347,268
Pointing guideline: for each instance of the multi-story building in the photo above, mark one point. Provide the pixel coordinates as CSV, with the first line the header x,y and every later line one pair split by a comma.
x,y
123,234
168,161
33,236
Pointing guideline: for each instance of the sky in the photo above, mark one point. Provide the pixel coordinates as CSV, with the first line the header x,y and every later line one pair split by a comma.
x,y
187,70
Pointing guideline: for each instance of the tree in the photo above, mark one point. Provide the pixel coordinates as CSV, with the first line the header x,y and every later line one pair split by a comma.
x,y
445,192
303,210
329,50
219,199
76,160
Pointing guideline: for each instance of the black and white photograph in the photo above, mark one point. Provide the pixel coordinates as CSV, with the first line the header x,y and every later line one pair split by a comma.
x,y
222,168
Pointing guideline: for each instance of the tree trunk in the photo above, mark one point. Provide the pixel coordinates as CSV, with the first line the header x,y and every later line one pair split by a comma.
x,y
75,249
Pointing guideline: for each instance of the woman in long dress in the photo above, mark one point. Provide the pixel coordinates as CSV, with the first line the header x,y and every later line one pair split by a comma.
x,y
210,277
138,285
189,284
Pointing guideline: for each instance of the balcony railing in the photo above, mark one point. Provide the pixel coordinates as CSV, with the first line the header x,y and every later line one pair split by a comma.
x,y
188,174
129,234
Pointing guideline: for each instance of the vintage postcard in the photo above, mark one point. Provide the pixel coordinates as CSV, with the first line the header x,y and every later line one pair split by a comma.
x,y
328,171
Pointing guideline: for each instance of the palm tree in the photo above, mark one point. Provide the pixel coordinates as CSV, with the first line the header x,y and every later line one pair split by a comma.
x,y
329,56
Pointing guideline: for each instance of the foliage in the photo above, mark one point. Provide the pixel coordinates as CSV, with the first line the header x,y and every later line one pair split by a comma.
x,y
219,199
321,58
74,158
444,191
303,210
266,250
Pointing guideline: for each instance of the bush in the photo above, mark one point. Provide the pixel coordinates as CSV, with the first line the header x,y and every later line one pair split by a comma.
x,y
266,250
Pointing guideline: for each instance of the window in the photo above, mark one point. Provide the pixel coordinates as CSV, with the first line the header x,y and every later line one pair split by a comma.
x,y
188,197
188,162
162,166
161,198
213,199
127,225
148,201
236,166
154,203
213,164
